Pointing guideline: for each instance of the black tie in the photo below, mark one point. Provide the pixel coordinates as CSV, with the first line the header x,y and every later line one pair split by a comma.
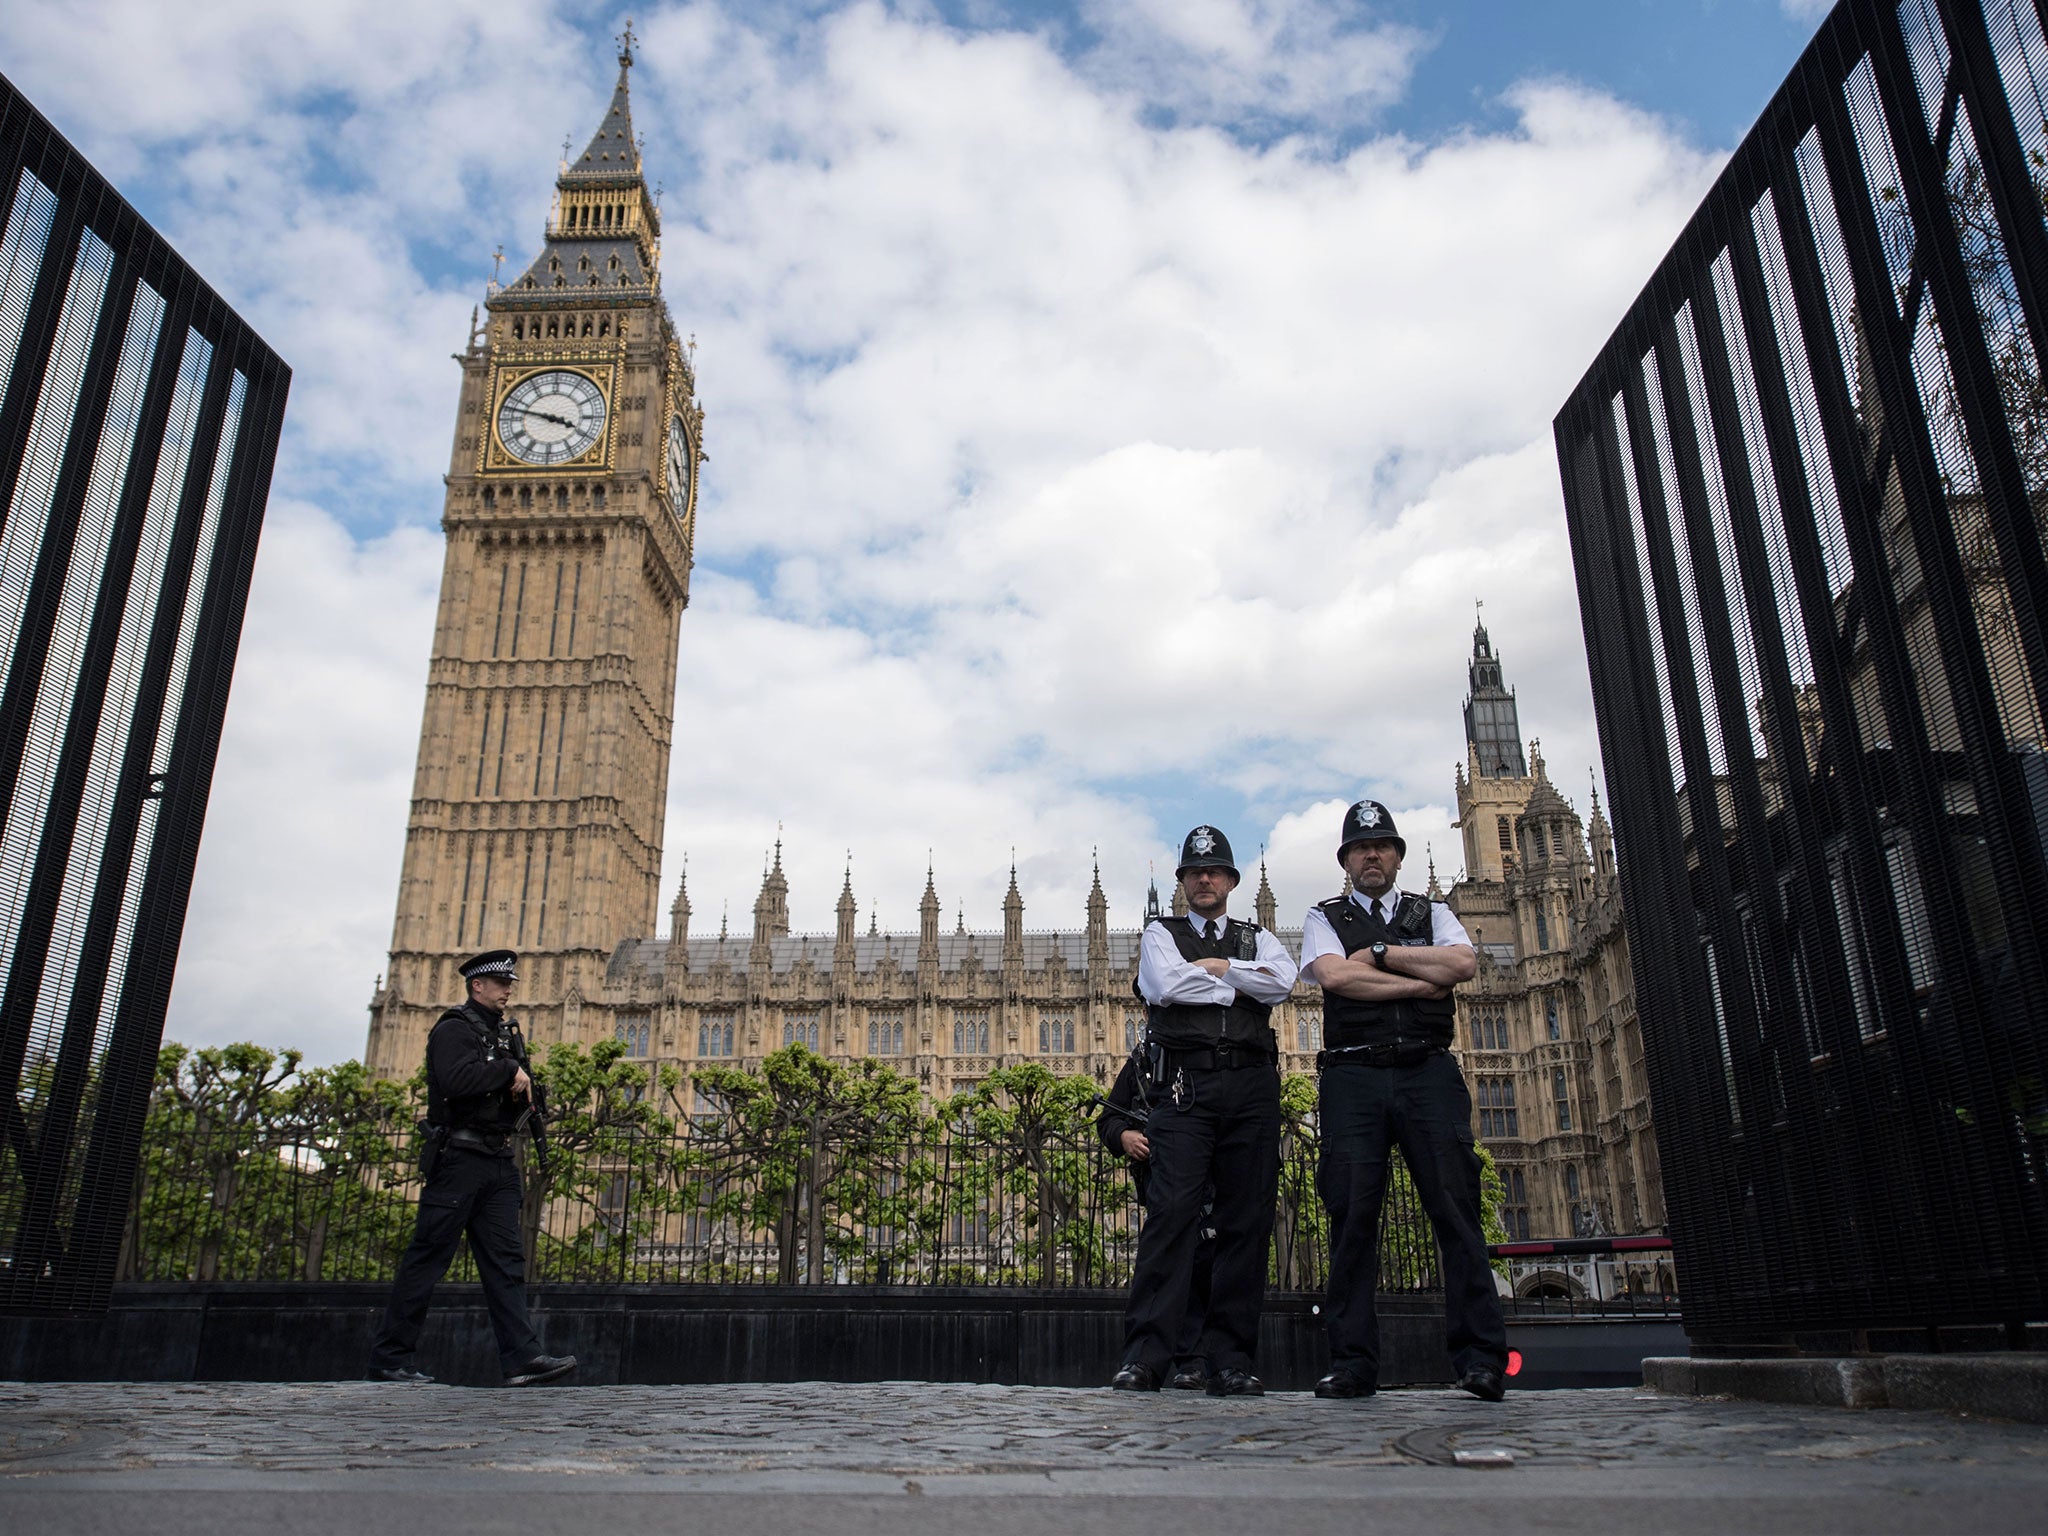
x,y
1376,912
1209,929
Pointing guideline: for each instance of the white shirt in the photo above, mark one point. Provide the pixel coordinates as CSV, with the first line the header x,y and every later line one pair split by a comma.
x,y
1164,977
1318,938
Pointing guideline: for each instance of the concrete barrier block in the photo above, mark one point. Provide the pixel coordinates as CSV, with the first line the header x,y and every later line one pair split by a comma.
x,y
2003,1386
1669,1373
1828,1383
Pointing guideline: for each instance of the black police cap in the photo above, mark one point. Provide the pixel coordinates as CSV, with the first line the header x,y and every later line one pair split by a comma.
x,y
1205,848
1369,822
501,963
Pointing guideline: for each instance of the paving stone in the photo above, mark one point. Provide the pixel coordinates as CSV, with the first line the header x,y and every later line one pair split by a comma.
x,y
903,1429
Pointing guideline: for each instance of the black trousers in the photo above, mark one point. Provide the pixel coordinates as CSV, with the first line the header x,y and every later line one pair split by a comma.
x,y
479,1194
1225,1132
1187,1343
1426,1111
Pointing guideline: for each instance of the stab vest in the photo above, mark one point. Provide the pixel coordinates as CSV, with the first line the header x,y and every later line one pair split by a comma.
x,y
1347,1021
1203,1026
497,1111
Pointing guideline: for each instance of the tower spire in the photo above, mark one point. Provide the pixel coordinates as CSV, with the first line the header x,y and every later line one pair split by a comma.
x,y
604,233
1493,731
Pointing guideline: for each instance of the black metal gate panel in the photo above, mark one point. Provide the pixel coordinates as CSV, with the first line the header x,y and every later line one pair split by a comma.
x,y
139,421
1806,482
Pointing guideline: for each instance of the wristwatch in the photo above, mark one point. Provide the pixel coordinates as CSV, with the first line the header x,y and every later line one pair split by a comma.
x,y
1379,955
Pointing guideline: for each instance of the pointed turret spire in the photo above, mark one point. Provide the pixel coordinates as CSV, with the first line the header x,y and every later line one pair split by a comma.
x,y
771,907
604,232
928,918
677,960
1152,913
1601,836
679,909
1492,729
613,151
1265,906
1013,917
1436,890
849,909
1098,919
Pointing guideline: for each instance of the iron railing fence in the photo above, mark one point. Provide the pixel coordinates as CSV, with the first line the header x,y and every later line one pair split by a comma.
x,y
947,1207
1807,485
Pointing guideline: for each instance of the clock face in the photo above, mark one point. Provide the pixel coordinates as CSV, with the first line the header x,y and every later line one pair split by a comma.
x,y
552,417
682,465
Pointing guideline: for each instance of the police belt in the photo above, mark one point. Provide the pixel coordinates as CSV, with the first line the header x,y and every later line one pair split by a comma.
x,y
491,1143
1227,1056
1402,1053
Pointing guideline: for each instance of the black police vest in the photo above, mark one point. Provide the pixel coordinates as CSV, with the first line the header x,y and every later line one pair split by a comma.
x,y
1203,1026
1349,1021
497,1111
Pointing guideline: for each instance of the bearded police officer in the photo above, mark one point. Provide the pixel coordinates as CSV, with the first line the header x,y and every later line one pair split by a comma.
x,y
478,1096
1210,983
1387,961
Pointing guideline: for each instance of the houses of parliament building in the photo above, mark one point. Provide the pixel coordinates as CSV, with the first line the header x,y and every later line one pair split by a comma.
x,y
536,816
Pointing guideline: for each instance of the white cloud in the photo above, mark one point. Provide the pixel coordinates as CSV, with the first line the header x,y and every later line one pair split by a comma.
x,y
1210,60
1806,12
298,869
1070,474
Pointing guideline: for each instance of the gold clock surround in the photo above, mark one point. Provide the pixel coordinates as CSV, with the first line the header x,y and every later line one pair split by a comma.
x,y
601,368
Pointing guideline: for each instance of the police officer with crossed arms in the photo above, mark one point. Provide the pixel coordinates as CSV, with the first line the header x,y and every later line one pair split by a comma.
x,y
478,1095
1387,961
1210,982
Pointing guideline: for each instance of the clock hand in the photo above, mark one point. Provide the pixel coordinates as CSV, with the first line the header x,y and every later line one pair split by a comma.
x,y
560,421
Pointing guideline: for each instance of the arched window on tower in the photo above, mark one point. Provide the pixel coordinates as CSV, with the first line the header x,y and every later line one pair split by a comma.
x,y
1542,932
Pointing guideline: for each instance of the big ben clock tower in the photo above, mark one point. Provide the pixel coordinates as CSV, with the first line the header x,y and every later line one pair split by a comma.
x,y
543,763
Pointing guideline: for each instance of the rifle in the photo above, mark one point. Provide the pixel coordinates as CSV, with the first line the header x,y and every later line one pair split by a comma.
x,y
534,1118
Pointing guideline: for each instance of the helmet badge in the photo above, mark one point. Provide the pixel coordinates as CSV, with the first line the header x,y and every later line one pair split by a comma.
x,y
1368,814
1203,841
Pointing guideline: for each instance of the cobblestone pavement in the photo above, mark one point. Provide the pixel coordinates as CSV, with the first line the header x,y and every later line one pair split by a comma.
x,y
904,1457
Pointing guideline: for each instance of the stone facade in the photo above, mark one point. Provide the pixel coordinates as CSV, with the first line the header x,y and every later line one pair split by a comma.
x,y
947,1006
1553,1003
1547,1030
538,799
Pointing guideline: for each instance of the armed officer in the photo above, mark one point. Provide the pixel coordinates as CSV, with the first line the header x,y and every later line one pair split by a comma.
x,y
1387,961
478,1095
1122,1130
1210,983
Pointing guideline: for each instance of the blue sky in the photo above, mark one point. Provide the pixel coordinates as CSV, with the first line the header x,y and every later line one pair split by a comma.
x,y
1114,409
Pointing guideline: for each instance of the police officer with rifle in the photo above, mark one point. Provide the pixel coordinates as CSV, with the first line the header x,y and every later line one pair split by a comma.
x,y
1387,961
1210,982
480,1095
